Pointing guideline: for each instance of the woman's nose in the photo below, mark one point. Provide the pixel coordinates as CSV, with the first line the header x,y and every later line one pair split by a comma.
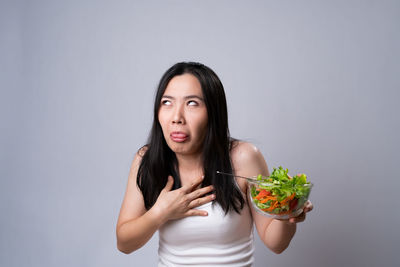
x,y
178,116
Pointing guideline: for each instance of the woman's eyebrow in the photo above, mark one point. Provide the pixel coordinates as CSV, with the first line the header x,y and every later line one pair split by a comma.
x,y
186,97
194,96
168,96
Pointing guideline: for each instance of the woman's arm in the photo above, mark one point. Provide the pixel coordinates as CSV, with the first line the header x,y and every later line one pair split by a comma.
x,y
136,225
276,234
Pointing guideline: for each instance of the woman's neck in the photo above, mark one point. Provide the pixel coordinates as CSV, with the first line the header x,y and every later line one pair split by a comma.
x,y
190,163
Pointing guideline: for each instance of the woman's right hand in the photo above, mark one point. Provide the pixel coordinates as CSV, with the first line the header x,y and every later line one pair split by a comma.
x,y
181,202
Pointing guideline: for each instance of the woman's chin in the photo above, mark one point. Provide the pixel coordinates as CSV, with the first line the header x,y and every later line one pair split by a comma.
x,y
180,150
184,149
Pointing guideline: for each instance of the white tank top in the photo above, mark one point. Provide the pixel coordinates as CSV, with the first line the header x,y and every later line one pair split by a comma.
x,y
214,240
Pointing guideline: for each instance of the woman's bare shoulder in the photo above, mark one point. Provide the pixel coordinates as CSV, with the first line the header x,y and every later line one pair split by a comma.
x,y
137,161
141,151
244,151
247,158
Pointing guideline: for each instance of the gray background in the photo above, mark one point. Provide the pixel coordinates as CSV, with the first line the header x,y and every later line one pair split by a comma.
x,y
314,84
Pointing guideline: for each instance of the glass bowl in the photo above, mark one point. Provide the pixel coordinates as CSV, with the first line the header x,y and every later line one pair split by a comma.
x,y
278,201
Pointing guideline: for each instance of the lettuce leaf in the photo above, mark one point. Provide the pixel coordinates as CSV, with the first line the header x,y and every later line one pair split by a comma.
x,y
281,185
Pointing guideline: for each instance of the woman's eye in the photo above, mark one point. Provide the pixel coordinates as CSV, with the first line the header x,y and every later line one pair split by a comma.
x,y
166,102
192,103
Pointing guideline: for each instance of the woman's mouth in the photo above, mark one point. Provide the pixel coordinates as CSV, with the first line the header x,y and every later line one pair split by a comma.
x,y
178,137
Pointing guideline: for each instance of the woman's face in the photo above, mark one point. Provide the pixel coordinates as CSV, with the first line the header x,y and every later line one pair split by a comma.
x,y
183,115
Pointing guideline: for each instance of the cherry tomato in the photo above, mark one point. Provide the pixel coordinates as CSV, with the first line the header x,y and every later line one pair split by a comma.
x,y
293,203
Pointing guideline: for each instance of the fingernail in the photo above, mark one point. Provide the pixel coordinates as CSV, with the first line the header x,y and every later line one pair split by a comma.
x,y
213,196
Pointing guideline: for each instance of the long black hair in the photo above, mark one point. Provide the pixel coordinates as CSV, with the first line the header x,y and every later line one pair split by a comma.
x,y
159,160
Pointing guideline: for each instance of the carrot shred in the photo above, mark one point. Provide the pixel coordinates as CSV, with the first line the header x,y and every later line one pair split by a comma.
x,y
288,198
262,194
265,199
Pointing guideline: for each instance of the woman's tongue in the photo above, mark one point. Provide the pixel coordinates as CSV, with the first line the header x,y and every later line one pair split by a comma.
x,y
179,137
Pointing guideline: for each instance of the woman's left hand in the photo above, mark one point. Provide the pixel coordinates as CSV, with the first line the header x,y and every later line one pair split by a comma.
x,y
308,206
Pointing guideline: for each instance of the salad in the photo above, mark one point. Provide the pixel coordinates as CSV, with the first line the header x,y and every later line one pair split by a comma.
x,y
280,195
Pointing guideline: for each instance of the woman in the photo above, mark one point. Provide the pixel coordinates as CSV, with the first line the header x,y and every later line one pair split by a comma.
x,y
203,218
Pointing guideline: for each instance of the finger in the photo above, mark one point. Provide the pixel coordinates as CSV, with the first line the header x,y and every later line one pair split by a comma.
x,y
189,187
199,192
201,201
298,219
194,212
301,218
308,206
169,184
